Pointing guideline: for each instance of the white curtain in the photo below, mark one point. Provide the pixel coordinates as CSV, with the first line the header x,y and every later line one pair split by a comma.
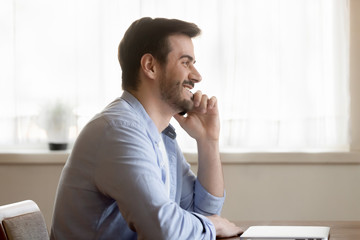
x,y
278,67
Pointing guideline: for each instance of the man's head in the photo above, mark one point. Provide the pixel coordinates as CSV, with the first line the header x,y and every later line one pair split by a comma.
x,y
148,35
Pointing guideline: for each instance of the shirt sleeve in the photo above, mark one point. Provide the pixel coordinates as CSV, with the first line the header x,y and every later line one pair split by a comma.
x,y
127,171
194,196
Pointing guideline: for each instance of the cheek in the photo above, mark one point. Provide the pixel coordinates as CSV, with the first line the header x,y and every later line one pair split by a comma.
x,y
174,88
174,79
178,73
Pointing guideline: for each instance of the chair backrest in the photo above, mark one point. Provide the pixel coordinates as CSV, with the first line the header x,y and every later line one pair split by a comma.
x,y
22,221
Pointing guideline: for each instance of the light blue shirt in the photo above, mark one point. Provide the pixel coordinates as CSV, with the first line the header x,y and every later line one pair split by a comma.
x,y
113,184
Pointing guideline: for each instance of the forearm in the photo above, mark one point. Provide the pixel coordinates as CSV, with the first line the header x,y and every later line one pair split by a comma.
x,y
210,173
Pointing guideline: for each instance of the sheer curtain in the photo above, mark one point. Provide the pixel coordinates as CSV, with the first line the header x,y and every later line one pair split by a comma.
x,y
279,68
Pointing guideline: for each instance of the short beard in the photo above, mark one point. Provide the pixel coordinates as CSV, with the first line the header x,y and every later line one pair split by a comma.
x,y
171,94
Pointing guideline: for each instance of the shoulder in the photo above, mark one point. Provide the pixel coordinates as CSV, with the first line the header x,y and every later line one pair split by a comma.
x,y
120,113
117,116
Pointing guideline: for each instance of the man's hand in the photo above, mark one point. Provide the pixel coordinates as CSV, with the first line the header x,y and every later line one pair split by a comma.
x,y
224,228
202,122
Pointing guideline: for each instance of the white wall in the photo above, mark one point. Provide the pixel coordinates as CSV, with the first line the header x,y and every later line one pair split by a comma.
x,y
255,190
292,192
37,182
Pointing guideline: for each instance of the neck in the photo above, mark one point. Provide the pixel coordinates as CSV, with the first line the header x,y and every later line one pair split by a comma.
x,y
158,111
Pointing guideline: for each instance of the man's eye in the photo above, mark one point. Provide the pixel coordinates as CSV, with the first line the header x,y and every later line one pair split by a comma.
x,y
186,63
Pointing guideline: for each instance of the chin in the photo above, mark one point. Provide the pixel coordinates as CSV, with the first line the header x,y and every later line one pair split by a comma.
x,y
187,105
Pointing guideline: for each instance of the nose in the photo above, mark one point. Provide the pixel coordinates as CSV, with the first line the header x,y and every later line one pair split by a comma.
x,y
195,75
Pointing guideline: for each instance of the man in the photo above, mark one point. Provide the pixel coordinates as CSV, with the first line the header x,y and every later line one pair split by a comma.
x,y
126,177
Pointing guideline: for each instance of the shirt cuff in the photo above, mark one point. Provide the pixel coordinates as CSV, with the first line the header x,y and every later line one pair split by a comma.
x,y
206,203
209,229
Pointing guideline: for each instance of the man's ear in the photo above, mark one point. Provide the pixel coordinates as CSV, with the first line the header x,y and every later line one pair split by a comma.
x,y
149,65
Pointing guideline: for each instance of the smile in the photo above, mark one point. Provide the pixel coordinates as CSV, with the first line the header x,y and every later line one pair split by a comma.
x,y
188,85
187,88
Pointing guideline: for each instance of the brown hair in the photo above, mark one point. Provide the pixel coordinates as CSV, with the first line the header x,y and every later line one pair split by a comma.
x,y
148,35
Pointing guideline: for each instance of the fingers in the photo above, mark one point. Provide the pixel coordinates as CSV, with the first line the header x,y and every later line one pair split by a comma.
x,y
231,229
197,98
202,103
212,102
224,228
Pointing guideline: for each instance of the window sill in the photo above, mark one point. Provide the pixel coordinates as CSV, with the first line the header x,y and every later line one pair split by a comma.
x,y
325,158
34,157
285,157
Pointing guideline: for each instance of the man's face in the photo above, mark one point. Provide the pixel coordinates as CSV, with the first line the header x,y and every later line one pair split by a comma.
x,y
179,74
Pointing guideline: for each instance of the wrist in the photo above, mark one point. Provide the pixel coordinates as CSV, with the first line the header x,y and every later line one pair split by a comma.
x,y
207,145
208,150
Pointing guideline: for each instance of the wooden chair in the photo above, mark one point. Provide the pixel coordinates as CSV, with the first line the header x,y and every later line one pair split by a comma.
x,y
22,221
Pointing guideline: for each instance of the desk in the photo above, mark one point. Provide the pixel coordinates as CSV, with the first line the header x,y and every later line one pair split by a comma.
x,y
339,230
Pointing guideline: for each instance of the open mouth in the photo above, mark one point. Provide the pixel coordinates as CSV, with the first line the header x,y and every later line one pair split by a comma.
x,y
188,86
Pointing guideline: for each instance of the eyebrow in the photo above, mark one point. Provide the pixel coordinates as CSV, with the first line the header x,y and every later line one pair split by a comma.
x,y
188,57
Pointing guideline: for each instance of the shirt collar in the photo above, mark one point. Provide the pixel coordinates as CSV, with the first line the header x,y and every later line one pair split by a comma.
x,y
140,110
170,132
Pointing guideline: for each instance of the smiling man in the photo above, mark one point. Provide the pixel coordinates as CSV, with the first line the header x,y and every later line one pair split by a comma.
x,y
126,177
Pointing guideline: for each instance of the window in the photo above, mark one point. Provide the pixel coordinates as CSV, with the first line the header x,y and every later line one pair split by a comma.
x,y
279,68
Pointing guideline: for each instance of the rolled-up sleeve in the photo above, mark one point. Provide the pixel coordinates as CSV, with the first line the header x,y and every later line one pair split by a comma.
x,y
205,203
194,196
